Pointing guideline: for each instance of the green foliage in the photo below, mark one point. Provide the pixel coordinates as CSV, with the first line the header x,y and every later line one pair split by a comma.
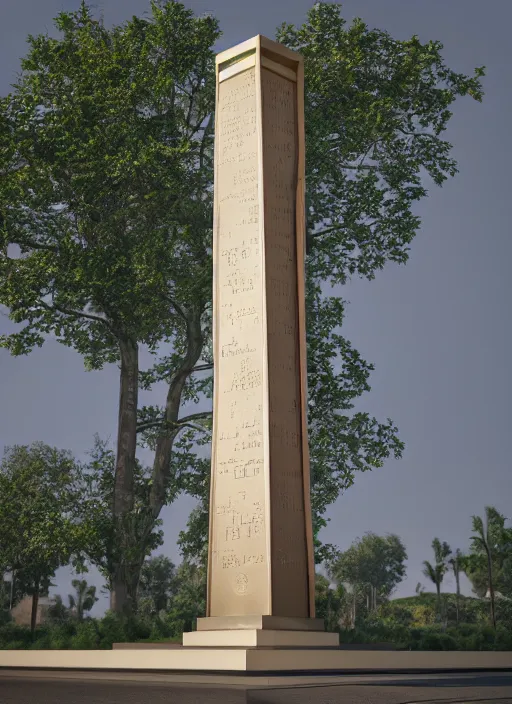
x,y
393,625
83,600
105,213
375,111
157,586
89,634
99,163
438,570
331,604
422,610
97,490
374,561
489,563
189,600
496,539
405,624
86,637
40,528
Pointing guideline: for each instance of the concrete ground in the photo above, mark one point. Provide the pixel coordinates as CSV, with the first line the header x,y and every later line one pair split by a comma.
x,y
61,688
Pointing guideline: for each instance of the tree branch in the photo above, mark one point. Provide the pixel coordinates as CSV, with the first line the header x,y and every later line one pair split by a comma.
x,y
180,423
77,314
178,309
358,167
195,416
202,367
325,231
35,245
206,133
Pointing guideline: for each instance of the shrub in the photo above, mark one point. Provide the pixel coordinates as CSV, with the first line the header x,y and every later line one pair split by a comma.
x,y
11,633
431,639
61,635
114,628
5,617
86,637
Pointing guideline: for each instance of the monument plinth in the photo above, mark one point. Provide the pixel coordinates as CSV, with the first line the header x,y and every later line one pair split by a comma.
x,y
261,577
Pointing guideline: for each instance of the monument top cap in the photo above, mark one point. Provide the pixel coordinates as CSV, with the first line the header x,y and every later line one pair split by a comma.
x,y
267,45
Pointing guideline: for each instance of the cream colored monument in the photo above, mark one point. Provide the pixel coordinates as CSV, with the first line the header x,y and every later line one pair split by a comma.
x,y
260,568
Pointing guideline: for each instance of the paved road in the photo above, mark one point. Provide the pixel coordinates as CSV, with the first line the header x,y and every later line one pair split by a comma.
x,y
488,688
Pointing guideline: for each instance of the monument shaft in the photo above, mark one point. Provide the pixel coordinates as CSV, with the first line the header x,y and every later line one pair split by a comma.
x,y
261,546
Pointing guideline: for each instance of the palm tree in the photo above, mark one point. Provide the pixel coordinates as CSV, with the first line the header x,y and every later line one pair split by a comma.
x,y
487,541
456,563
419,589
437,571
85,598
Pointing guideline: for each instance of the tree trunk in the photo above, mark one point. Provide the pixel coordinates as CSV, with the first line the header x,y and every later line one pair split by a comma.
x,y
11,600
133,579
35,602
438,589
164,445
491,588
457,596
126,580
125,466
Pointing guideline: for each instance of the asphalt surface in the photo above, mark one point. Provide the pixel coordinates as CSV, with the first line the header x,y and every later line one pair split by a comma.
x,y
398,689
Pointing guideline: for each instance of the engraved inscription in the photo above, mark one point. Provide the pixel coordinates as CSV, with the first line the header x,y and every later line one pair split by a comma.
x,y
238,539
241,583
257,451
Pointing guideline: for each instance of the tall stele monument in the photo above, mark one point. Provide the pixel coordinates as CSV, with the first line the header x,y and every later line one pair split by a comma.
x,y
261,571
261,579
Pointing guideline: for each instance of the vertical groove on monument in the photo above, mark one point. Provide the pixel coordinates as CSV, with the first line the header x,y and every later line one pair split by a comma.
x,y
260,559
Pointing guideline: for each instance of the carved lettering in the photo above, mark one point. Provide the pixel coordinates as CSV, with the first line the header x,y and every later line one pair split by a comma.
x,y
256,416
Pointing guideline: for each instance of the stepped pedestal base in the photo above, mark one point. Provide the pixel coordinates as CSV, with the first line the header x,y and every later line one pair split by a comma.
x,y
260,638
195,661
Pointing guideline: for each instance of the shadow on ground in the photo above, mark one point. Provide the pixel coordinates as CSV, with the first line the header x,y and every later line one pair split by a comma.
x,y
488,688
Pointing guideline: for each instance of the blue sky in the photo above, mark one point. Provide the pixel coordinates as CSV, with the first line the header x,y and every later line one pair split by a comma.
x,y
437,329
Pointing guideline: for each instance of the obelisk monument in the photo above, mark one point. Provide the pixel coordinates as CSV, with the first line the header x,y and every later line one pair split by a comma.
x,y
261,565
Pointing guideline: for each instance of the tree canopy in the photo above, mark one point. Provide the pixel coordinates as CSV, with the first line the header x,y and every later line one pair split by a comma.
x,y
40,528
157,585
106,154
373,560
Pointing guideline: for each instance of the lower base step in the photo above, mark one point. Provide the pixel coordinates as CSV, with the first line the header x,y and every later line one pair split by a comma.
x,y
260,638
253,660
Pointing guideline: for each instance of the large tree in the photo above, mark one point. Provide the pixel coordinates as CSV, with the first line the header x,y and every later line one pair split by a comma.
x,y
103,193
373,563
107,163
40,528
